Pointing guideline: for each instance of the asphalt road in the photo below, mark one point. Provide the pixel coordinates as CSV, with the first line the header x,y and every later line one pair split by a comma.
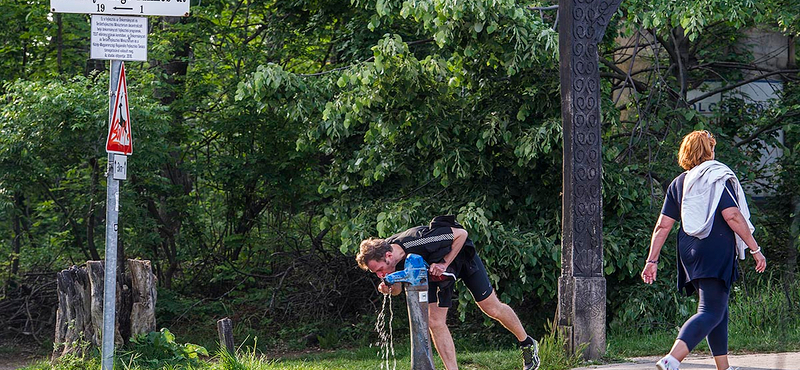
x,y
763,361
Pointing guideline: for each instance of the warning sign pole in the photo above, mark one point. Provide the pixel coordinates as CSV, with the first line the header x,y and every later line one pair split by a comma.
x,y
112,215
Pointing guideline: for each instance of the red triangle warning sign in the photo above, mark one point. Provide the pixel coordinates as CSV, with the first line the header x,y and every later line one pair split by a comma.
x,y
119,139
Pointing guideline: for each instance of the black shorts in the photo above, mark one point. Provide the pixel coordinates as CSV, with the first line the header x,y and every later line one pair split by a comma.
x,y
474,276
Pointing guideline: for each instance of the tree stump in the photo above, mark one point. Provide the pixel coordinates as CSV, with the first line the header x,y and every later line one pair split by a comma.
x,y
143,297
73,318
225,331
79,320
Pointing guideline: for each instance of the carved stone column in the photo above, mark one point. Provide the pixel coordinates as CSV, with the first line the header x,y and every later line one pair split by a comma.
x,y
582,287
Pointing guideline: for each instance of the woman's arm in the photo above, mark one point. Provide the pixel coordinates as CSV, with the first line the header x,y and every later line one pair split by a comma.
x,y
660,233
733,217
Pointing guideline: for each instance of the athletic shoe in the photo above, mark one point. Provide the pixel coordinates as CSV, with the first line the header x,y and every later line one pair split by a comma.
x,y
663,364
530,356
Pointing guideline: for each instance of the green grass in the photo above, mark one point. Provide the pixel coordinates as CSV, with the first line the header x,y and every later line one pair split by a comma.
x,y
626,345
631,344
761,321
620,346
365,358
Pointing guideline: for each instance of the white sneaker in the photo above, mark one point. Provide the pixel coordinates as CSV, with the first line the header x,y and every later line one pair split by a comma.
x,y
663,364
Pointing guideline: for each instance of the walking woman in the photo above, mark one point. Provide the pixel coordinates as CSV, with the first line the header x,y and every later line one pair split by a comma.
x,y
710,204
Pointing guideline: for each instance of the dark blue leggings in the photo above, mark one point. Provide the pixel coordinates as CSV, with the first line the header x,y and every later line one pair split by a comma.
x,y
711,319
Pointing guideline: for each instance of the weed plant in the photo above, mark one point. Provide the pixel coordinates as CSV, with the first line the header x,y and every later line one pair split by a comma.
x,y
150,354
763,318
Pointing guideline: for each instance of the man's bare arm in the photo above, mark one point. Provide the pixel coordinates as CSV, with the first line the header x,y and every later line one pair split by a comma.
x,y
459,238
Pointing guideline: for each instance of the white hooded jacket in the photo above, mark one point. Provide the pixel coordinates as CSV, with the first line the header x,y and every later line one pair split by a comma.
x,y
702,189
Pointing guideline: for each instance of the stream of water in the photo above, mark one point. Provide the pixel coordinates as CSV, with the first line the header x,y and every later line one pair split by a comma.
x,y
385,340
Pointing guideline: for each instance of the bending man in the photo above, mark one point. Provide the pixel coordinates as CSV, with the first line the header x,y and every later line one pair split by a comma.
x,y
444,245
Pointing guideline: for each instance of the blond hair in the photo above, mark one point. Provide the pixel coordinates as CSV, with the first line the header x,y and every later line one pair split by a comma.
x,y
372,249
697,147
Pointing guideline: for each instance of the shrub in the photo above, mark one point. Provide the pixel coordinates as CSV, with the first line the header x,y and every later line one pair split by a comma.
x,y
156,350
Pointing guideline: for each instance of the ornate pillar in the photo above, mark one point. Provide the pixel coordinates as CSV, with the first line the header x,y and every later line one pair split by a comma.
x,y
582,287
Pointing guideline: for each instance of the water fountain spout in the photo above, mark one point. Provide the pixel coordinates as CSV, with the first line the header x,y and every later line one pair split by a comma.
x,y
415,280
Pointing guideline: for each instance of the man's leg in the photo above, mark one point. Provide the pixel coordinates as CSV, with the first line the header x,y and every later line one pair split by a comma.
x,y
442,340
504,314
481,288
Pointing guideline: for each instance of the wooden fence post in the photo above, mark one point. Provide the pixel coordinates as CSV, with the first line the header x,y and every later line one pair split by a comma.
x,y
225,330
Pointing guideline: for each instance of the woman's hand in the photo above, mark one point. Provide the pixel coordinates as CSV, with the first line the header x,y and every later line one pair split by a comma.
x,y
649,272
761,262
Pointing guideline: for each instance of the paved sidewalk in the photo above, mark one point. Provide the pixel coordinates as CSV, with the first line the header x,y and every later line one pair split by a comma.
x,y
768,361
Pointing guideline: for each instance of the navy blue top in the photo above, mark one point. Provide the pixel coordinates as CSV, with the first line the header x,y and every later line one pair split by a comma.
x,y
712,257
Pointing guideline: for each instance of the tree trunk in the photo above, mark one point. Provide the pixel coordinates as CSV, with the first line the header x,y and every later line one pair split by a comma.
x,y
15,242
96,270
143,296
168,216
90,215
59,42
79,320
790,272
680,44
73,318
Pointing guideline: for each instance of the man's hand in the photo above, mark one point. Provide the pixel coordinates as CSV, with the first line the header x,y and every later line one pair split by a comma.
x,y
389,289
437,269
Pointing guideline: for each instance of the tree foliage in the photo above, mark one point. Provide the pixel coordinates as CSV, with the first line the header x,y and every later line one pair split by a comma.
x,y
272,136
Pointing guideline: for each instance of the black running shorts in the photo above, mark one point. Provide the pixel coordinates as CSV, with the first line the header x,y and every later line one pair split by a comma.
x,y
473,274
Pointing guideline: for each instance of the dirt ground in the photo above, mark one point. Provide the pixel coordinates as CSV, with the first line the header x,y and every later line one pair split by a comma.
x,y
13,364
17,355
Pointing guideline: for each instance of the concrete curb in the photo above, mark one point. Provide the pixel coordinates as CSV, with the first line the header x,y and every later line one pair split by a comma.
x,y
762,361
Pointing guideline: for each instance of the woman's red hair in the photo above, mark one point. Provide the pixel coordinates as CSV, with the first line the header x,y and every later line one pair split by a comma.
x,y
697,147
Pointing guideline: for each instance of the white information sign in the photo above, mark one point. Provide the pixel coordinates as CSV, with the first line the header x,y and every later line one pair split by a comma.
x,y
119,37
176,8
120,167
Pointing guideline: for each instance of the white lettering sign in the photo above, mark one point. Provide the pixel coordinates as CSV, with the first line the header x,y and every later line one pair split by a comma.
x,y
120,167
175,8
119,37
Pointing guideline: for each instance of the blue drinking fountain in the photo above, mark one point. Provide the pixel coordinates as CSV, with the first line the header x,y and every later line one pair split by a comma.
x,y
415,281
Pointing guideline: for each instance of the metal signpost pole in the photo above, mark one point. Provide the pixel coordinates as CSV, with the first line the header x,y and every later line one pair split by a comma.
x,y
119,32
112,215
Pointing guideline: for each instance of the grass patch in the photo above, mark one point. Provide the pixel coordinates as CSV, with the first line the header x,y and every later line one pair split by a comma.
x,y
760,321
553,358
369,358
632,344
